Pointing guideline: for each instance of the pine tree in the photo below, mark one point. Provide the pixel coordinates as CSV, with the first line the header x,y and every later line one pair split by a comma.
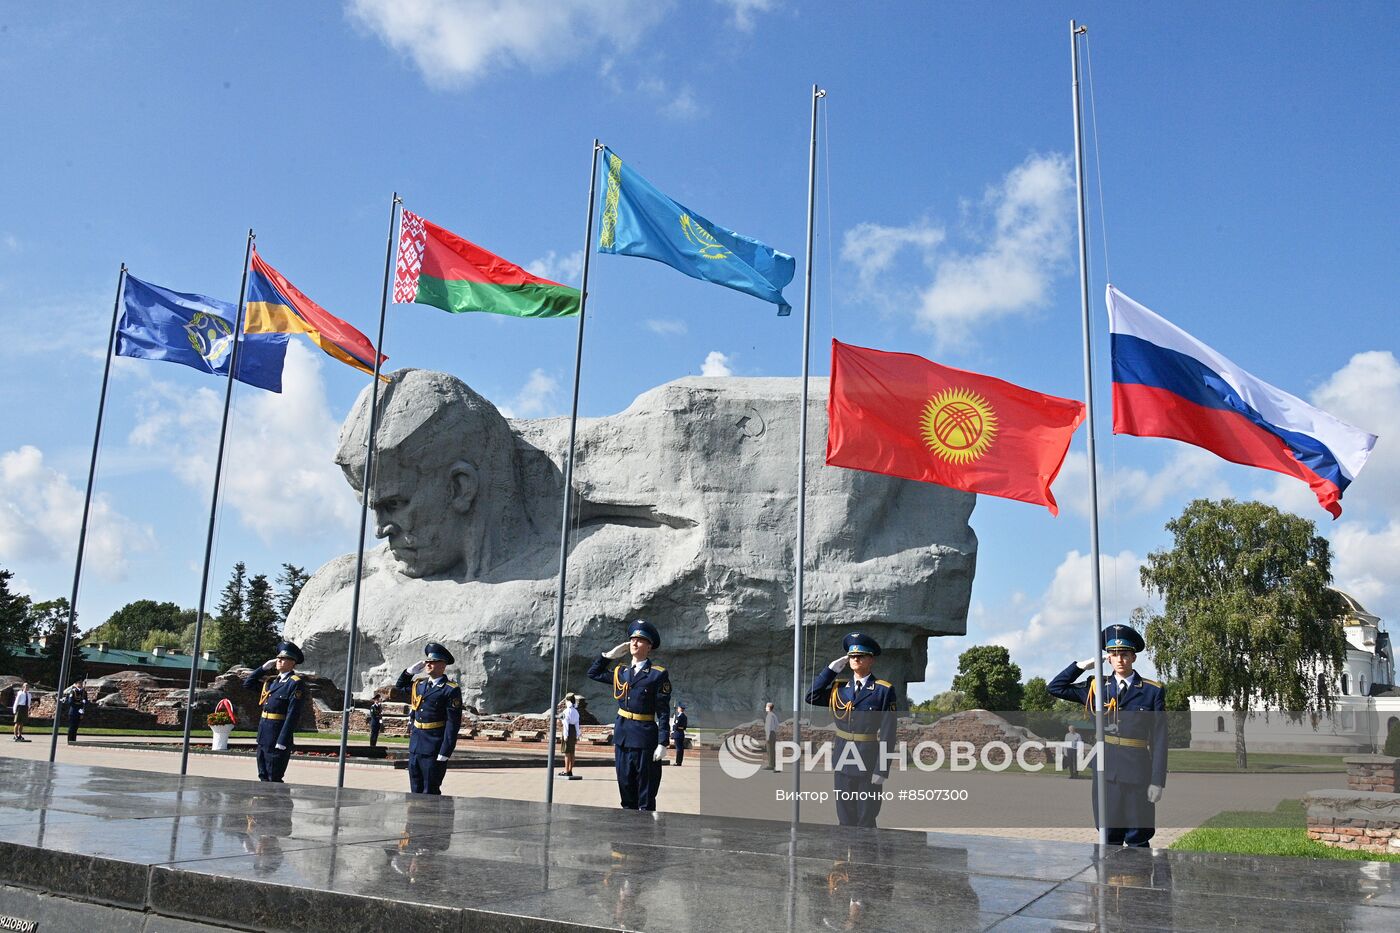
x,y
231,643
15,630
289,584
51,620
262,621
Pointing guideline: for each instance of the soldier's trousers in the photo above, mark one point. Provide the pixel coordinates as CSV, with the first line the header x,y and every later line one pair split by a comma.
x,y
679,743
1131,818
638,778
425,774
373,733
272,764
861,803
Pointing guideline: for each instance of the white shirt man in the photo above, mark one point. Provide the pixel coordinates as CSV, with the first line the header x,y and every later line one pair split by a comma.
x,y
23,699
571,733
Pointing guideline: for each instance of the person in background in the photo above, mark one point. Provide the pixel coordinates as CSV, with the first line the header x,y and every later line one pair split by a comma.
x,y
1072,745
21,711
770,736
571,731
376,719
678,727
77,699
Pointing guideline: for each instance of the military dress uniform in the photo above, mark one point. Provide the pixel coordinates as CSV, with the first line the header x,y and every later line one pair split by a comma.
x,y
643,722
281,701
1135,740
864,719
435,719
77,705
376,721
678,727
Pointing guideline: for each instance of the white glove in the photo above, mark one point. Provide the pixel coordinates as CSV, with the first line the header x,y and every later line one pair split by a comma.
x,y
659,754
877,779
1154,793
442,757
281,748
417,668
269,664
839,664
1088,663
620,651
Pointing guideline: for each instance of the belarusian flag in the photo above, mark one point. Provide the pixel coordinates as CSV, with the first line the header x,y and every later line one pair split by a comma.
x,y
437,267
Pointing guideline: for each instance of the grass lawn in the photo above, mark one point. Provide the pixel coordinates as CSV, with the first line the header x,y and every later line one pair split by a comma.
x,y
204,734
1183,759
1257,832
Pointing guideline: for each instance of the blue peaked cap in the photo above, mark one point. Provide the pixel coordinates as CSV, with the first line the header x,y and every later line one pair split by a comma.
x,y
1120,637
436,652
286,649
856,643
646,630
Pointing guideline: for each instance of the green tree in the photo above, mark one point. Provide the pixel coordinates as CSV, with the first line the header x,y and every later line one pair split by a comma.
x,y
50,619
1045,715
949,701
1392,741
232,642
1248,617
262,619
129,626
1178,715
155,637
15,629
1035,696
209,641
289,584
988,678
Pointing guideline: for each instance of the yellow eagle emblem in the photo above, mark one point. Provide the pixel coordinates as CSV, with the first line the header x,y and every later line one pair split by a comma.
x,y
704,241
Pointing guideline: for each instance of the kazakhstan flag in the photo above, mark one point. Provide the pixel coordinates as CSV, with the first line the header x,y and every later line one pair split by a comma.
x,y
638,220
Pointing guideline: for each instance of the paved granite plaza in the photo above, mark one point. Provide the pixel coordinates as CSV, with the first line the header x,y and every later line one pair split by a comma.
x,y
82,846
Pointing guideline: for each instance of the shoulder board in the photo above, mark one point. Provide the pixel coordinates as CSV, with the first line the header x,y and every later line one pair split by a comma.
x,y
884,683
296,677
658,668
1155,683
452,683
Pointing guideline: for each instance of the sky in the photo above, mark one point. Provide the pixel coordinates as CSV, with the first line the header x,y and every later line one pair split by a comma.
x,y
1241,182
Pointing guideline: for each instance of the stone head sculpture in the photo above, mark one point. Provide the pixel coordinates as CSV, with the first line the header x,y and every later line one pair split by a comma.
x,y
445,485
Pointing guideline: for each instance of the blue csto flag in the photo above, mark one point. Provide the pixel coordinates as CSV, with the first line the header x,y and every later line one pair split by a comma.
x,y
160,324
638,220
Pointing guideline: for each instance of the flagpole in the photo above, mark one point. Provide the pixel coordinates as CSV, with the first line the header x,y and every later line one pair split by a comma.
x,y
1100,776
214,507
365,493
817,95
568,490
63,665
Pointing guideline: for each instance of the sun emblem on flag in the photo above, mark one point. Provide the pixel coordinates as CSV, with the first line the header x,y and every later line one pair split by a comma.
x,y
211,336
709,247
958,425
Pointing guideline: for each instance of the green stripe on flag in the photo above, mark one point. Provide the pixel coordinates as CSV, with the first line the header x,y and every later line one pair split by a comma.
x,y
526,300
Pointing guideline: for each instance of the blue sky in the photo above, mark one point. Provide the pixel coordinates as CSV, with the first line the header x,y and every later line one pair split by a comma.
x,y
1249,193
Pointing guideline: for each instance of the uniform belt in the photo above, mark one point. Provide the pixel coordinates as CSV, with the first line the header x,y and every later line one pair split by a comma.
x,y
858,736
640,717
274,715
429,726
1131,743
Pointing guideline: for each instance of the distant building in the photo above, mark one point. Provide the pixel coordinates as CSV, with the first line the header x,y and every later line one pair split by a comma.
x,y
101,659
1366,703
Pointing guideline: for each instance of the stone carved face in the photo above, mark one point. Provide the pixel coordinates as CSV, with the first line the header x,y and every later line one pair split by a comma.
x,y
419,513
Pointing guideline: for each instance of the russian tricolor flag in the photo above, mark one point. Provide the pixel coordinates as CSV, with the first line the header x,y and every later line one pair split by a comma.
x,y
1167,383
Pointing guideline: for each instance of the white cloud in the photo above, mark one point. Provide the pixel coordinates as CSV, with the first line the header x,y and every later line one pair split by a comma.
x,y
716,364
1189,473
537,399
744,11
455,42
1059,628
672,102
11,242
41,513
1032,212
666,327
873,247
279,474
566,269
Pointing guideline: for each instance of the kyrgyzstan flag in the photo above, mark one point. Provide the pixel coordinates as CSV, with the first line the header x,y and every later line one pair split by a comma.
x,y
900,414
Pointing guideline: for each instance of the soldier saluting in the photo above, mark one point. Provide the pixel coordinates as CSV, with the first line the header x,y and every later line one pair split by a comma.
x,y
643,727
435,718
1135,737
282,697
863,712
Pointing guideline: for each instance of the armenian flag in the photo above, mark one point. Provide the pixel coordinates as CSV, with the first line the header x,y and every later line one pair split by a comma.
x,y
276,306
1167,383
437,267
